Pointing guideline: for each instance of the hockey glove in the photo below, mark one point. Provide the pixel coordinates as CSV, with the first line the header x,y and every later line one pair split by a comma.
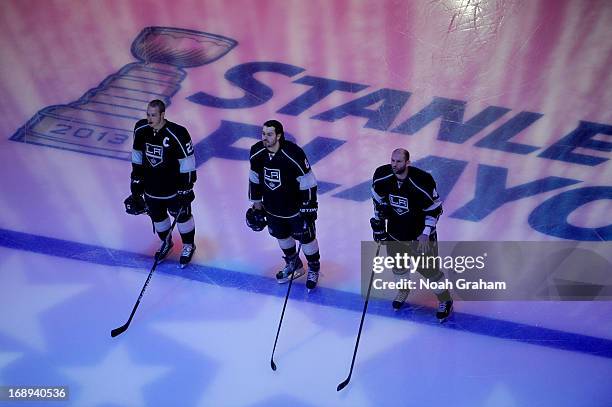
x,y
308,212
135,205
136,186
379,231
256,219
185,197
307,232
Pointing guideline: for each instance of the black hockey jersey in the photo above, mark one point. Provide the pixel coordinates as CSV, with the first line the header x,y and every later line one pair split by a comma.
x,y
163,161
283,181
414,205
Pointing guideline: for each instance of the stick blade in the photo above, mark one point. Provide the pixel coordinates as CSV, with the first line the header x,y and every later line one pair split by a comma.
x,y
343,384
273,365
118,331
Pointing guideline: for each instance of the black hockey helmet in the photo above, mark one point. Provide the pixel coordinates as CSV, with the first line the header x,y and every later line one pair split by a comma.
x,y
256,219
135,205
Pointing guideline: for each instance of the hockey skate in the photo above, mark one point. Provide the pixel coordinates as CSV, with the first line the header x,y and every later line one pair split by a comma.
x,y
313,275
444,310
163,251
292,266
186,254
400,299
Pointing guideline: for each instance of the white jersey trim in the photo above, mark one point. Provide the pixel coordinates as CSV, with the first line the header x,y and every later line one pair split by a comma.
x,y
434,206
421,189
141,127
392,237
177,140
286,155
380,179
254,154
283,217
160,197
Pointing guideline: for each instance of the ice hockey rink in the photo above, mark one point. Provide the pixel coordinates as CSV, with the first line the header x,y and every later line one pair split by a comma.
x,y
506,103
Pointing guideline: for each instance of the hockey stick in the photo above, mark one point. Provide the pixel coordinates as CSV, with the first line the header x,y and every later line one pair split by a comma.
x,y
280,323
124,327
365,308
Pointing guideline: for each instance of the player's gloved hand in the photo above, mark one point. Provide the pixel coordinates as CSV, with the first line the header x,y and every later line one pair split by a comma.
x,y
185,196
306,233
379,230
256,219
136,186
135,205
308,211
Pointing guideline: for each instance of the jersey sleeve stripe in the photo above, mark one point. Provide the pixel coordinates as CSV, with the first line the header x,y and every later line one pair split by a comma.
x,y
187,164
136,157
307,181
430,221
254,177
376,197
141,127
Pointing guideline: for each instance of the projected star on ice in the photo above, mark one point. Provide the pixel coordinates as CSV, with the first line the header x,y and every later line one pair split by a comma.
x,y
7,358
23,301
242,348
501,395
115,380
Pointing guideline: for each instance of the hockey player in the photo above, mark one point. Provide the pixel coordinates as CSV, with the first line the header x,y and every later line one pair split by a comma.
x,y
407,208
163,170
283,192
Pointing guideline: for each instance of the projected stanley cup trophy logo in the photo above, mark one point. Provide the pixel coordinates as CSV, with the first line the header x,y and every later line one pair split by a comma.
x,y
102,120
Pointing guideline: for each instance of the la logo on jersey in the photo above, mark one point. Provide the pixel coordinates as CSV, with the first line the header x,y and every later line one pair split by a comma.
x,y
155,154
272,178
399,204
